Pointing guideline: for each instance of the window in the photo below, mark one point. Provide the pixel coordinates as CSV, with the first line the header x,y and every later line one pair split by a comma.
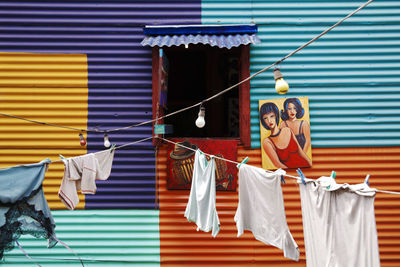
x,y
202,61
196,73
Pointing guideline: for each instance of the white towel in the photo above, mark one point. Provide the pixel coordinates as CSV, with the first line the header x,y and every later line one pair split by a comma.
x,y
81,172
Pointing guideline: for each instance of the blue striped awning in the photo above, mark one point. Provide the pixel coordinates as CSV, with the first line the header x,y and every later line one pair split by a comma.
x,y
226,36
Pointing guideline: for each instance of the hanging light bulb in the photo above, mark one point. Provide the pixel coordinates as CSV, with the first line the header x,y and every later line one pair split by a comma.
x,y
281,86
106,141
200,122
82,139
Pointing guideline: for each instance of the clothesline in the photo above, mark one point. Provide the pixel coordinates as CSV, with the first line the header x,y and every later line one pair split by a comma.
x,y
286,175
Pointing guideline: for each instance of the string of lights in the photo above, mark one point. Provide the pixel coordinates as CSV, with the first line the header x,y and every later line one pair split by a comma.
x,y
281,86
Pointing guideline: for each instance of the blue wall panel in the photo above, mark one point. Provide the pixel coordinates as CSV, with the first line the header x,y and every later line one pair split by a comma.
x,y
351,75
99,237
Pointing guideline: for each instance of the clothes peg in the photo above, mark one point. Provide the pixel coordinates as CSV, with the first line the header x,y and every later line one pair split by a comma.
x,y
244,161
63,159
302,177
366,181
333,175
283,180
112,148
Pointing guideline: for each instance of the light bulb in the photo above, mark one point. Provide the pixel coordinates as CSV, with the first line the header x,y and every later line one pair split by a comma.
x,y
106,141
281,86
82,139
200,122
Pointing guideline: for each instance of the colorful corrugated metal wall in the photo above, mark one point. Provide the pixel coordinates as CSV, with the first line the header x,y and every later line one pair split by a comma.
x,y
351,77
99,237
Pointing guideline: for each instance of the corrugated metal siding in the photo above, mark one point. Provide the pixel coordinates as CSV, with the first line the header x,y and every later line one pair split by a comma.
x,y
99,237
109,32
351,74
49,88
121,94
181,244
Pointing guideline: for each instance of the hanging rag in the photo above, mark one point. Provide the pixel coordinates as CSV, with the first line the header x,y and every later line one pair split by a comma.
x,y
81,172
261,210
23,206
339,224
201,207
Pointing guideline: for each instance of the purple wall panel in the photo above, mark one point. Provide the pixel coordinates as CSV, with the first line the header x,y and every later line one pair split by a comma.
x,y
120,92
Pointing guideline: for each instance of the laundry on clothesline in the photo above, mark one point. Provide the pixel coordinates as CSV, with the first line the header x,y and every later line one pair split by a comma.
x,y
81,172
338,219
201,208
23,206
339,224
261,210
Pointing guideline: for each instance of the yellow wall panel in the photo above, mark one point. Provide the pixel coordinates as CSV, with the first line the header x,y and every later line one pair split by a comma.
x,y
51,88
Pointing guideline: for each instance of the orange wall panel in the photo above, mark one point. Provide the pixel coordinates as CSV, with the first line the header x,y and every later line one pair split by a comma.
x,y
182,245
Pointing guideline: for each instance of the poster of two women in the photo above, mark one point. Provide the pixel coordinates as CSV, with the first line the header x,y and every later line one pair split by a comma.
x,y
285,133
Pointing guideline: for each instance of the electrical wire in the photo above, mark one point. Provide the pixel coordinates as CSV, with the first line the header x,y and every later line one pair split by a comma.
x,y
48,124
211,97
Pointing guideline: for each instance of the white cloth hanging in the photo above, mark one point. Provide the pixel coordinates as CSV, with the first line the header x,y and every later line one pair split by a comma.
x,y
339,224
201,207
261,210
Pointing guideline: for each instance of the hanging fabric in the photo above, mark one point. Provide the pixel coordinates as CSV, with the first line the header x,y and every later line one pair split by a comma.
x,y
23,206
201,207
81,172
261,210
339,224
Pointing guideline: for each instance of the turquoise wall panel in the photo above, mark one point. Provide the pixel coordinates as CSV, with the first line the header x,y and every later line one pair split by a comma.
x,y
351,75
100,237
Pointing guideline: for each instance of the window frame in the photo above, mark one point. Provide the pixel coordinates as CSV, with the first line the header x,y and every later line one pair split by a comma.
x,y
244,94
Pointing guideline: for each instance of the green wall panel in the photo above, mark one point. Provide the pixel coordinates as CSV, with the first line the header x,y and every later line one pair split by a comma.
x,y
351,75
100,237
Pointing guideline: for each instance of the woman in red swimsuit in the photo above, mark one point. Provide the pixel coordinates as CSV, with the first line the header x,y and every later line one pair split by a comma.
x,y
281,146
290,115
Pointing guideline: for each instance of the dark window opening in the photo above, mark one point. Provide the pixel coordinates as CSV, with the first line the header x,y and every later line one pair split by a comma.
x,y
195,74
